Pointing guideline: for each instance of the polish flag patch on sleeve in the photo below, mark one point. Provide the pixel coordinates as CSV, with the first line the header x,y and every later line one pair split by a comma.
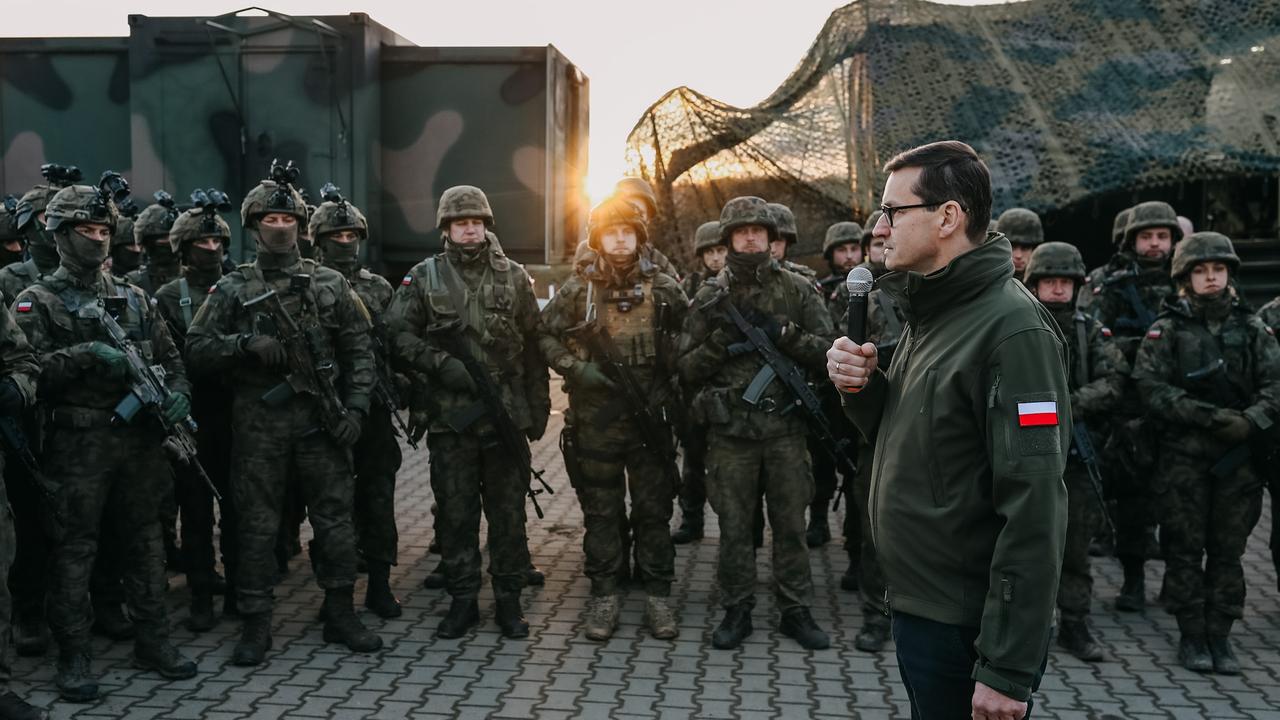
x,y
23,306
1037,414
408,280
1155,333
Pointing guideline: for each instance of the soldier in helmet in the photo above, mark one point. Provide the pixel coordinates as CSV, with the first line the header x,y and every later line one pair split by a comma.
x,y
1093,282
641,193
198,237
1096,377
300,399
755,448
338,229
29,216
787,237
711,251
1210,371
471,309
151,230
12,242
636,311
103,468
1126,294
1024,231
126,251
843,251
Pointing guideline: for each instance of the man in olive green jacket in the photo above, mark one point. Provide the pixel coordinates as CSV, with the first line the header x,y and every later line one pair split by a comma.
x,y
971,430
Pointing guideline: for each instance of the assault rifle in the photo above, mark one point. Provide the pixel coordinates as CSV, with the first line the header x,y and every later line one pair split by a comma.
x,y
148,392
1089,458
448,336
17,447
384,386
780,367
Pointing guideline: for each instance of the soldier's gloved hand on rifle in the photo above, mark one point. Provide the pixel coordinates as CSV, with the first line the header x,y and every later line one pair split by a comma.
x,y
114,362
453,375
418,423
588,376
269,351
177,407
347,431
11,402
1230,426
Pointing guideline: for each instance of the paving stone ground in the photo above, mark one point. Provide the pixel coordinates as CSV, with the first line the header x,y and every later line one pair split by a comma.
x,y
558,674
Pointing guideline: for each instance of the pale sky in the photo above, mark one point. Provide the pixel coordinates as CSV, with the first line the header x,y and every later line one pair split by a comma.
x,y
732,50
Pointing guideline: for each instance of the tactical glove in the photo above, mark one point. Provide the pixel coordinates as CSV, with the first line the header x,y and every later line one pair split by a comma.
x,y
418,424
347,431
589,376
11,402
454,376
269,351
113,361
177,407
1231,426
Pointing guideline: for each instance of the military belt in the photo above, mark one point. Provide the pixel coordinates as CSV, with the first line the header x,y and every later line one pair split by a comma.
x,y
80,418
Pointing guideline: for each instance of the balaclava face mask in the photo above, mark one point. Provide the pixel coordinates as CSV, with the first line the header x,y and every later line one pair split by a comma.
x,y
343,257
81,255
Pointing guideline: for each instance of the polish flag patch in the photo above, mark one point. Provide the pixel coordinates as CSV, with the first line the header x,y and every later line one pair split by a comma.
x,y
1037,414
1106,331
24,306
408,280
1155,334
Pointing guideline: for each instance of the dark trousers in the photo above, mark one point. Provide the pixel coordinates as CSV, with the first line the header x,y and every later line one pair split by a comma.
x,y
936,661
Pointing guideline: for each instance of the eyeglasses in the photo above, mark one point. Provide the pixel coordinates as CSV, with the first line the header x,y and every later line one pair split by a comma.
x,y
889,210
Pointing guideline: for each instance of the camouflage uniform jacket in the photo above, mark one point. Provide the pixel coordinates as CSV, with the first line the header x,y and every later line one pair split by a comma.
x,y
18,357
16,277
502,332
645,337
720,380
376,293
215,341
1096,369
60,317
179,300
690,283
151,277
659,260
1182,342
885,319
1110,292
1269,314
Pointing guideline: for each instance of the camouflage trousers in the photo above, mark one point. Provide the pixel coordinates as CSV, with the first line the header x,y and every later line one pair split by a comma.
x,y
29,575
270,446
470,475
8,550
605,466
377,459
738,469
111,476
693,470
1129,483
213,412
859,544
1075,588
1206,522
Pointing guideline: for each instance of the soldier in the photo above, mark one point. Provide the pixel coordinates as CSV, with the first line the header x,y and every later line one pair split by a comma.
x,y
786,238
754,448
843,251
17,393
467,319
12,242
30,216
1092,290
102,468
1210,371
198,237
622,306
1024,231
1096,372
293,339
151,230
1125,295
641,193
126,251
711,251
338,229
1270,316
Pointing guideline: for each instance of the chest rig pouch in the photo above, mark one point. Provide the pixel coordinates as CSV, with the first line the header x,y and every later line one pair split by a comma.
x,y
311,310
84,312
486,311
629,314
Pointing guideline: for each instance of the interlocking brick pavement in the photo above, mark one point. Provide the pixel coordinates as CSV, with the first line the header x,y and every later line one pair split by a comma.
x,y
558,674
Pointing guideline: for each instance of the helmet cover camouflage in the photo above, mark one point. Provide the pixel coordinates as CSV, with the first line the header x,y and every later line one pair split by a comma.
x,y
616,210
81,204
1152,214
1203,247
634,188
707,236
32,203
839,234
1119,224
1054,259
335,214
197,223
1021,226
786,222
743,211
157,219
271,197
461,202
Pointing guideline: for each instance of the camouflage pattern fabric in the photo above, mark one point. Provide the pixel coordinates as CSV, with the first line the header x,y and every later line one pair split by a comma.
x,y
1269,314
19,366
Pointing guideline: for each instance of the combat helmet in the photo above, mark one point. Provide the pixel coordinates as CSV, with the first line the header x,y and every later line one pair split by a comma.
x,y
463,201
335,213
786,222
634,188
77,204
746,210
707,236
1118,225
1203,247
616,210
1151,214
9,221
157,220
276,194
1021,226
839,234
1054,259
201,220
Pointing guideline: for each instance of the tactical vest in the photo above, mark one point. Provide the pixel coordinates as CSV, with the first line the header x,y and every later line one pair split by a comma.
x,y
487,312
630,316
303,305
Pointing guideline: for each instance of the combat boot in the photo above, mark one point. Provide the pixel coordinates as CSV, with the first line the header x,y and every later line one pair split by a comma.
x,y
798,624
30,634
75,679
378,596
534,577
819,532
1193,653
734,628
510,617
436,579
341,624
602,617
201,618
1224,658
660,618
13,707
873,635
690,528
1133,594
849,581
1074,637
255,640
110,620
164,658
464,614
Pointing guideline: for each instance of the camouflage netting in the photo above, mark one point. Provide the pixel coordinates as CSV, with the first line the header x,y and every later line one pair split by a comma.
x,y
1065,99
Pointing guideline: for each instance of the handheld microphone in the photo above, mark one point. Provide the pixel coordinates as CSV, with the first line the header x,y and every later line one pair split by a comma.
x,y
859,283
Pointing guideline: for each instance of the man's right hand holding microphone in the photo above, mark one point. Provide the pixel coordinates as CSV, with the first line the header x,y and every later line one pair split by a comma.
x,y
852,360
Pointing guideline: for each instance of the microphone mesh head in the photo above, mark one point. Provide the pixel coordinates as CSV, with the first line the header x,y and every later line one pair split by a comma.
x,y
859,281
